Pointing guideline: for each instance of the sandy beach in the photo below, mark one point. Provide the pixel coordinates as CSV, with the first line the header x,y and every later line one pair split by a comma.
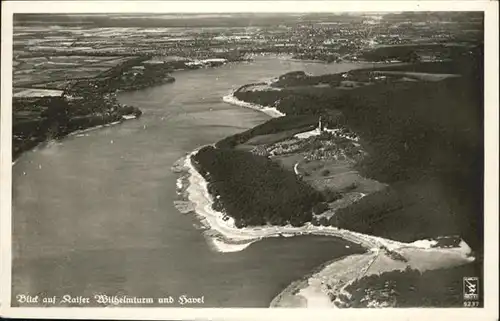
x,y
271,111
196,192
223,236
312,290
194,186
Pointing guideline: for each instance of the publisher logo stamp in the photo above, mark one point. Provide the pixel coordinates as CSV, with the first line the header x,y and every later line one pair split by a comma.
x,y
471,288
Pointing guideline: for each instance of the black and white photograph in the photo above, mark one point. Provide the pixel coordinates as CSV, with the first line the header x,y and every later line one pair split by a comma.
x,y
263,157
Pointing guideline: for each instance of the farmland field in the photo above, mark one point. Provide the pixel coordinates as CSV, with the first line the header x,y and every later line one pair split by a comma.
x,y
55,71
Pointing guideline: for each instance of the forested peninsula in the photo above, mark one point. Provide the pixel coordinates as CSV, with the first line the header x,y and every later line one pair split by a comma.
x,y
394,152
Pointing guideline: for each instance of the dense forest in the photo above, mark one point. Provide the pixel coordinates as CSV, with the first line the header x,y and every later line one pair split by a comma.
x,y
36,121
306,101
409,52
300,78
412,288
424,138
255,190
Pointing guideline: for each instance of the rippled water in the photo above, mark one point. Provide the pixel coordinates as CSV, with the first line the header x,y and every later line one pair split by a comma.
x,y
94,213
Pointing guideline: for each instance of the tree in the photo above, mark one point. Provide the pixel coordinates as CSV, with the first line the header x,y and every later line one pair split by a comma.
x,y
320,208
325,172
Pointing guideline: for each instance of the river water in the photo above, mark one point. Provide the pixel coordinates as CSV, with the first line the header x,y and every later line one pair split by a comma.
x,y
94,213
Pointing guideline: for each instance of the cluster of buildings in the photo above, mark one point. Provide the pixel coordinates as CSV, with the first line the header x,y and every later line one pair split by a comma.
x,y
314,148
286,147
319,143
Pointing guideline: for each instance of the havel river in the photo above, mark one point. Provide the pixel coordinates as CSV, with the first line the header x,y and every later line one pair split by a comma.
x,y
94,213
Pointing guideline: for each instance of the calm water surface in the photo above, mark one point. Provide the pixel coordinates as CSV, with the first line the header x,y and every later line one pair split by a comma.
x,y
94,212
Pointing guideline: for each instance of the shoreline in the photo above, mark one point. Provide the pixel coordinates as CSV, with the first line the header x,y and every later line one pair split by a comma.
x,y
76,133
134,115
195,199
270,111
192,188
223,236
294,288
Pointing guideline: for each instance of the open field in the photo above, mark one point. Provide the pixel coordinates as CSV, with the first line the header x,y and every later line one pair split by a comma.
x,y
45,69
289,161
417,75
30,92
272,138
47,75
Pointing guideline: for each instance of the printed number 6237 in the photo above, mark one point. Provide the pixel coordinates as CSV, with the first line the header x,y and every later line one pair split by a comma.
x,y
471,304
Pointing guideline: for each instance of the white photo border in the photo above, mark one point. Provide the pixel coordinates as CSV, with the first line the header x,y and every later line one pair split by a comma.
x,y
490,9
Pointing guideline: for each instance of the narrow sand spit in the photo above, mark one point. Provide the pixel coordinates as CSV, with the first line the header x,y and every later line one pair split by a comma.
x,y
331,281
322,287
194,187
